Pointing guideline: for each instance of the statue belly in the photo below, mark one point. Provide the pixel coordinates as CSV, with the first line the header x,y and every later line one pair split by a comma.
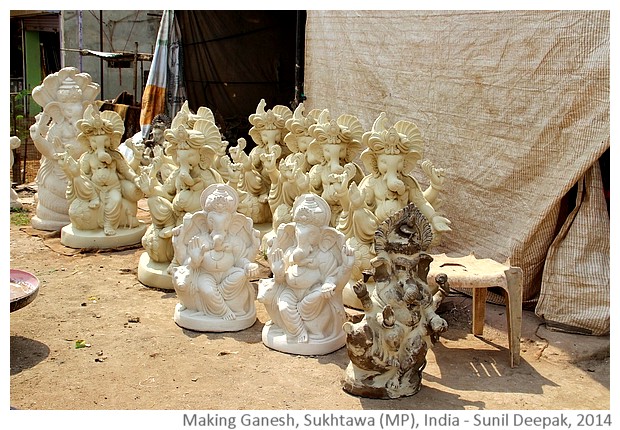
x,y
301,278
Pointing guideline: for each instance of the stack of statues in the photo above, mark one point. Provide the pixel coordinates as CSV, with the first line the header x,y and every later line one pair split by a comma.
x,y
333,232
173,183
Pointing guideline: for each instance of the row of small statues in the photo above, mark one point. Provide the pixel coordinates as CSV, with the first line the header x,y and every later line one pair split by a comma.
x,y
324,224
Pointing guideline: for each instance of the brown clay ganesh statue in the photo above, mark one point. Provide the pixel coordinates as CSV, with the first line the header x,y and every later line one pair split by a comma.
x,y
388,347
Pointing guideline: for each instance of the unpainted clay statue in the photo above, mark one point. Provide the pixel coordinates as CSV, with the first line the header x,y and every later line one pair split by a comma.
x,y
64,96
102,187
15,142
311,264
391,154
169,197
289,177
331,153
299,137
215,249
267,132
388,347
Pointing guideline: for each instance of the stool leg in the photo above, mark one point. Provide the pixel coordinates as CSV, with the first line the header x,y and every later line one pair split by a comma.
x,y
514,312
479,300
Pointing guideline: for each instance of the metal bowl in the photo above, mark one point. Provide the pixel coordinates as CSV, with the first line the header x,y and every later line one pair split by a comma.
x,y
24,288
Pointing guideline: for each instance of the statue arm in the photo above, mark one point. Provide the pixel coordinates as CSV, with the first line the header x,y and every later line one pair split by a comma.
x,y
269,163
195,251
69,165
437,179
38,133
416,196
278,267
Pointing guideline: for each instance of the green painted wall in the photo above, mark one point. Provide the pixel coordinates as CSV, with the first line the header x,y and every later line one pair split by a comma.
x,y
33,66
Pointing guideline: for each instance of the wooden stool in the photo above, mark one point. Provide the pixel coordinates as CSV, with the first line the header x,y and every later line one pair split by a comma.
x,y
478,275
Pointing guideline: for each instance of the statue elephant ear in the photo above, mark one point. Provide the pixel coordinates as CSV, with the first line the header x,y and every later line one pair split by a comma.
x,y
193,224
314,153
207,156
369,158
241,226
54,110
285,238
331,239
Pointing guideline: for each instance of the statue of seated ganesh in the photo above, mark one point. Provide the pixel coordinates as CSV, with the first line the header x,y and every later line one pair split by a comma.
x,y
311,264
388,347
101,188
215,250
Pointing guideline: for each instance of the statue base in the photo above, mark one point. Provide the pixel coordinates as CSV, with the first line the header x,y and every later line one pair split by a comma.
x,y
75,238
198,321
48,225
154,274
275,338
378,386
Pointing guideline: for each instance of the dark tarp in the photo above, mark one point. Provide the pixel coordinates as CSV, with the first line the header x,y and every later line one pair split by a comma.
x,y
233,59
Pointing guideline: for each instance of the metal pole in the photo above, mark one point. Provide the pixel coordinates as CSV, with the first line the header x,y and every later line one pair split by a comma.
x,y
135,76
80,37
101,49
299,58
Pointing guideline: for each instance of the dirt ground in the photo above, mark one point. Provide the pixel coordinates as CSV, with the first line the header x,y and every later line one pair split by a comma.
x,y
136,358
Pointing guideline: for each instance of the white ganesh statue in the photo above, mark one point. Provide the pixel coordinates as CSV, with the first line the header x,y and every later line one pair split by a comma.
x,y
64,96
311,264
15,142
391,155
102,188
189,158
332,154
289,176
388,347
216,250
267,132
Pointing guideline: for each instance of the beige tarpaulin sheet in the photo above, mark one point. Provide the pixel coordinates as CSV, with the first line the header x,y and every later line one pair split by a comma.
x,y
515,106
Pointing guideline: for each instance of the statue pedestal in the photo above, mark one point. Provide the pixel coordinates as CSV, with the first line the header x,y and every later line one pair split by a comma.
x,y
275,338
379,388
199,321
49,225
154,274
75,238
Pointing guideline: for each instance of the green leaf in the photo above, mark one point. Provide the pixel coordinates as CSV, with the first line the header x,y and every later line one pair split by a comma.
x,y
81,344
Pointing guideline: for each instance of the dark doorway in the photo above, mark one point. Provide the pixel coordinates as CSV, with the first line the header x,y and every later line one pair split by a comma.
x,y
233,59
